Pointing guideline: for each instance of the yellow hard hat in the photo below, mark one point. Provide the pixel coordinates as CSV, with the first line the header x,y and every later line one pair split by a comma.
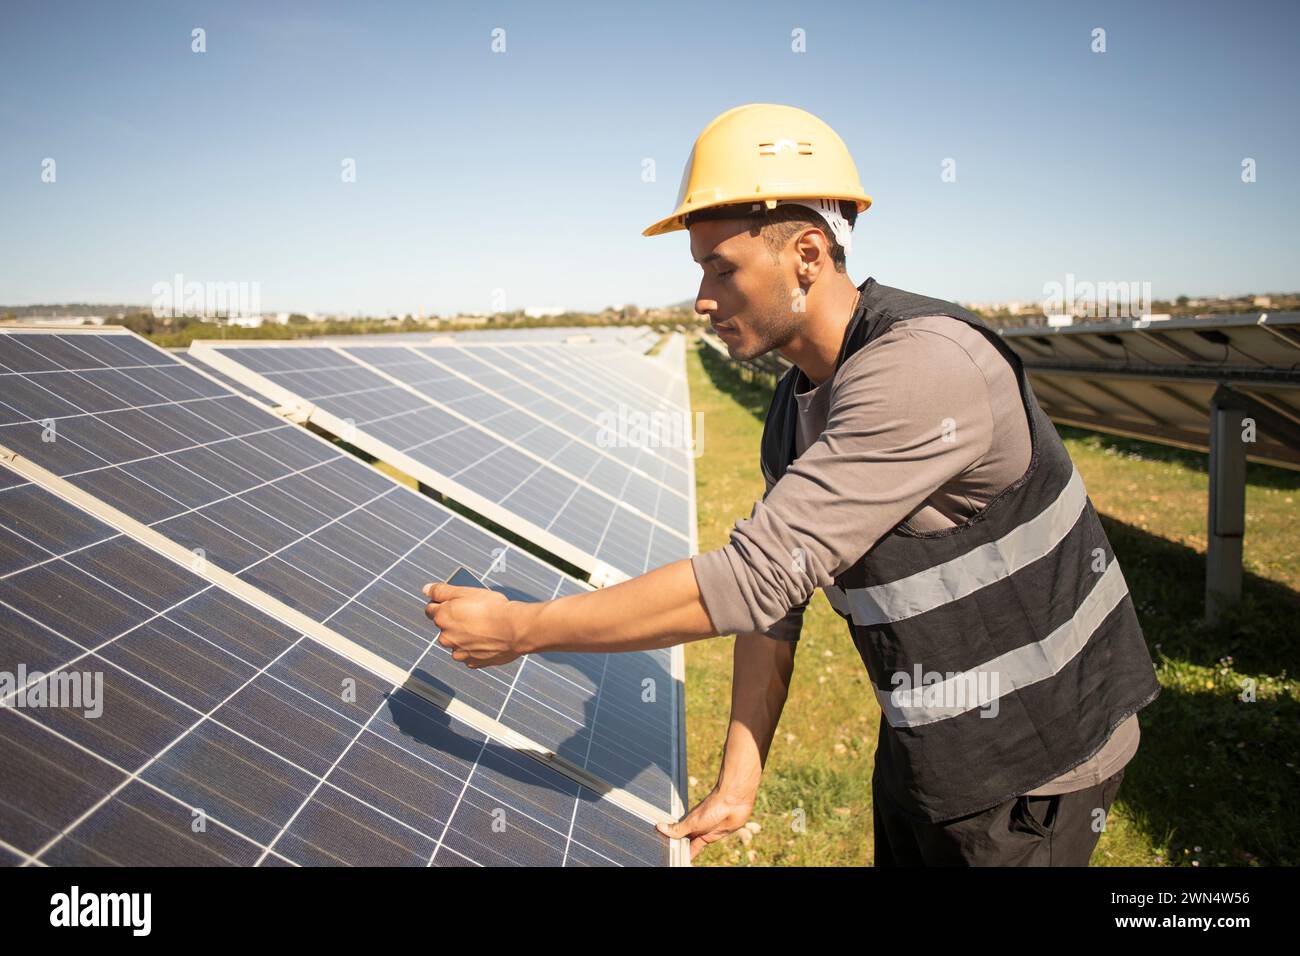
x,y
764,152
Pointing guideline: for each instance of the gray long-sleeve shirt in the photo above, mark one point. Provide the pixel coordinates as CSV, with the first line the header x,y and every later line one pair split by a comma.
x,y
923,424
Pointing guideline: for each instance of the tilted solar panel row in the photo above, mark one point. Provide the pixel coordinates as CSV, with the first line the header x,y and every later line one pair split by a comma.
x,y
211,712
489,436
286,513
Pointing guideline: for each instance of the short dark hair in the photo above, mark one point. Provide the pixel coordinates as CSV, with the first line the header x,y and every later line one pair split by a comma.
x,y
779,224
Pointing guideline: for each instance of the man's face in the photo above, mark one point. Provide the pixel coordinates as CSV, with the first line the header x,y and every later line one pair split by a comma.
x,y
747,297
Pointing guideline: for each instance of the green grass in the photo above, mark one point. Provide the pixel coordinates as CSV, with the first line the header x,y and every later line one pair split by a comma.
x,y
1211,775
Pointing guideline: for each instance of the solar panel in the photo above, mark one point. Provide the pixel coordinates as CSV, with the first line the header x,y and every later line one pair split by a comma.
x,y
579,405
618,375
511,457
1155,379
218,735
184,357
571,411
244,493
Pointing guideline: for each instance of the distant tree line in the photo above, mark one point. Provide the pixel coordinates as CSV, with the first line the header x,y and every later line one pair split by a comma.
x,y
179,332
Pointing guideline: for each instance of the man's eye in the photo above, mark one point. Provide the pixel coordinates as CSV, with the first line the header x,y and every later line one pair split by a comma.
x,y
727,273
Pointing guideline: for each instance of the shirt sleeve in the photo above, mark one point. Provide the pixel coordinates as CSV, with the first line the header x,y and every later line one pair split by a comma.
x,y
907,414
788,628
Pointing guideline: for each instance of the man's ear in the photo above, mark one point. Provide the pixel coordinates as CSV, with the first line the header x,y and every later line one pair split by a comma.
x,y
813,250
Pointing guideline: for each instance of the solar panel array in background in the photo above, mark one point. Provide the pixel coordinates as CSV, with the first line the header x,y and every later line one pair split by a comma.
x,y
320,531
485,417
580,381
637,338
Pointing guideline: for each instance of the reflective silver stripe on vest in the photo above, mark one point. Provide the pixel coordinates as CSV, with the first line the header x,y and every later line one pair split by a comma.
x,y
914,702
967,573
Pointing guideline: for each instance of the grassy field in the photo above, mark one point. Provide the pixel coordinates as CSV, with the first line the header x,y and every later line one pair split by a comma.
x,y
1209,782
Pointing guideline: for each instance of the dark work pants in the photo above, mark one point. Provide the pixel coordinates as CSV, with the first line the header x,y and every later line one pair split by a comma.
x,y
1059,830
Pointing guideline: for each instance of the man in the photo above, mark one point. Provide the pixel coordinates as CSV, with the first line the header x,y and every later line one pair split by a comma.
x,y
912,476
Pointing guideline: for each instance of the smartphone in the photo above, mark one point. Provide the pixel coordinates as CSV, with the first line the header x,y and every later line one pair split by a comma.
x,y
462,577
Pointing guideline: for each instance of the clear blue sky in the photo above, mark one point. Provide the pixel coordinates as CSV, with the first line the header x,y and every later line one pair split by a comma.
x,y
522,171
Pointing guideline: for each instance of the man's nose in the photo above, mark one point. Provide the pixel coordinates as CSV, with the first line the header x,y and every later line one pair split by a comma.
x,y
705,306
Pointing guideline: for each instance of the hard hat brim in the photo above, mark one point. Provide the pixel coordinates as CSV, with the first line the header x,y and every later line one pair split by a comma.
x,y
675,222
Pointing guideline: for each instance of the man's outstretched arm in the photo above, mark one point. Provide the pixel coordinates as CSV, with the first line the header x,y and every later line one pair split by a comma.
x,y
658,609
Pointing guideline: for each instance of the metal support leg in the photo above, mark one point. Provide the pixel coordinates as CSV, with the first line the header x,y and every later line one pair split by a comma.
x,y
1227,518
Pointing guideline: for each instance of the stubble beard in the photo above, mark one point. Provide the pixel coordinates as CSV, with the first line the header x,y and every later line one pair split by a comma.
x,y
775,326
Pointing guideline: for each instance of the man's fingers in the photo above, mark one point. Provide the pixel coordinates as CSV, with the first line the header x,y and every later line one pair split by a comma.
x,y
439,591
700,838
684,827
688,825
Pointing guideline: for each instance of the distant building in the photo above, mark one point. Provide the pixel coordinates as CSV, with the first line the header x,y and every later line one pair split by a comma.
x,y
62,321
544,312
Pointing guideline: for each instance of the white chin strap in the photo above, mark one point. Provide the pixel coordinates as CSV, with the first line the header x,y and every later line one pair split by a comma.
x,y
828,209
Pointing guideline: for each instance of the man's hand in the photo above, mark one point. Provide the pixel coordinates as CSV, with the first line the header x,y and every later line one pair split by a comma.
x,y
712,819
479,625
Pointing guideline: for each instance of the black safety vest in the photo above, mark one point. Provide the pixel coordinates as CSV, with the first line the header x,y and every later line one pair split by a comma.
x,y
1003,651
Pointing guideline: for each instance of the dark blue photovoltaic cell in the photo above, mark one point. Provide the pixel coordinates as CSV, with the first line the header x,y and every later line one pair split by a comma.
x,y
58,783
129,724
185,357
249,744
139,826
465,435
286,512
60,528
601,828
